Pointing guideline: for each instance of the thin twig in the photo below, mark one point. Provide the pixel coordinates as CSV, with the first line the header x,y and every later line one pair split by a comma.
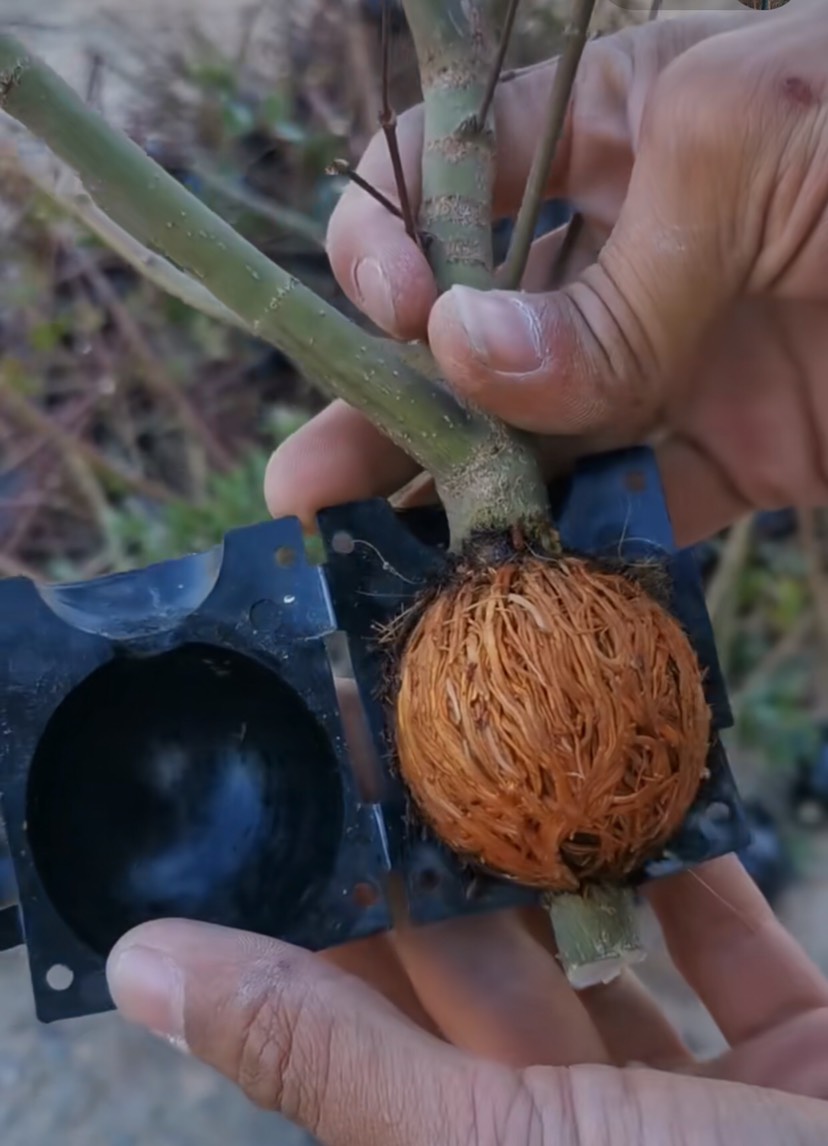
x,y
574,230
721,594
27,416
65,190
249,18
388,123
497,65
343,167
813,534
526,223
730,565
788,645
153,370
65,441
93,82
354,31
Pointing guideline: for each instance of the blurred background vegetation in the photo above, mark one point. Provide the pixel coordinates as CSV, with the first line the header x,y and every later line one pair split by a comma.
x,y
133,429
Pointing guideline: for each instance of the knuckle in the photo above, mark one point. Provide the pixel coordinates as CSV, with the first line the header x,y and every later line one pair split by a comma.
x,y
611,375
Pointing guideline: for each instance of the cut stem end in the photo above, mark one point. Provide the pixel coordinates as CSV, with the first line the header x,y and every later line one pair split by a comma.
x,y
596,933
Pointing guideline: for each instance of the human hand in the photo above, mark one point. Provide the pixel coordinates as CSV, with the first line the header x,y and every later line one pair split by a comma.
x,y
696,276
697,152
301,1036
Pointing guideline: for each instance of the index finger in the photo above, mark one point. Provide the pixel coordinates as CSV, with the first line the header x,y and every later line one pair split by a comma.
x,y
725,940
379,267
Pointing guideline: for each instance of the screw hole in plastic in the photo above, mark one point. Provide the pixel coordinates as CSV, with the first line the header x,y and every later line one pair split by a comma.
x,y
365,895
285,556
343,543
60,977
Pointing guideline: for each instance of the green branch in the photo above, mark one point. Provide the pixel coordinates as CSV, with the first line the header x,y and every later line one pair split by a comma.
x,y
595,933
370,373
455,51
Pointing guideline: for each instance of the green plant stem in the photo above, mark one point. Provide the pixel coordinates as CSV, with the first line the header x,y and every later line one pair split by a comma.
x,y
455,51
497,67
485,475
526,223
596,933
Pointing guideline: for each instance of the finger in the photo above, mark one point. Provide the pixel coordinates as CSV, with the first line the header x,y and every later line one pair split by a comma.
x,y
632,1026
375,962
382,270
296,1035
700,496
594,355
732,950
338,456
792,1057
378,266
496,992
651,1108
556,258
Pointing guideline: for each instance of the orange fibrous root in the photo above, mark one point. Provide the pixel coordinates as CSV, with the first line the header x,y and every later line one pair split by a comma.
x,y
550,720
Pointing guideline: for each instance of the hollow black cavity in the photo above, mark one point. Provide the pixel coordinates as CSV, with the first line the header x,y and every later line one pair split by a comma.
x,y
193,784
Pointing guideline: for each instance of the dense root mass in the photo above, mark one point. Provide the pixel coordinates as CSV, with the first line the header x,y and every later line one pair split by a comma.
x,y
550,721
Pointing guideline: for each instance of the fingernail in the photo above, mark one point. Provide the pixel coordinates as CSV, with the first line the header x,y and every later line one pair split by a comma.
x,y
147,987
375,294
503,331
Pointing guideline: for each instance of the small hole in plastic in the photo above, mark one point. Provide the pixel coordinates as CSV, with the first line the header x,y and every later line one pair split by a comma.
x,y
428,879
719,811
285,556
59,977
342,542
365,895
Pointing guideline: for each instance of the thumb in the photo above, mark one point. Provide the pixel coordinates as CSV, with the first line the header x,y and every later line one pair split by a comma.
x,y
296,1034
598,353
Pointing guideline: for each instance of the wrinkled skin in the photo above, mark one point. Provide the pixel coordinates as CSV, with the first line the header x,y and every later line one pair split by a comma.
x,y
698,151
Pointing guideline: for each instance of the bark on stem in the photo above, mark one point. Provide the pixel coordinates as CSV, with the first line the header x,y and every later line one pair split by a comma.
x,y
456,51
372,374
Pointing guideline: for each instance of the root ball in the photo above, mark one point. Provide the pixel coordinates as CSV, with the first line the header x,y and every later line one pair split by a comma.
x,y
551,723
